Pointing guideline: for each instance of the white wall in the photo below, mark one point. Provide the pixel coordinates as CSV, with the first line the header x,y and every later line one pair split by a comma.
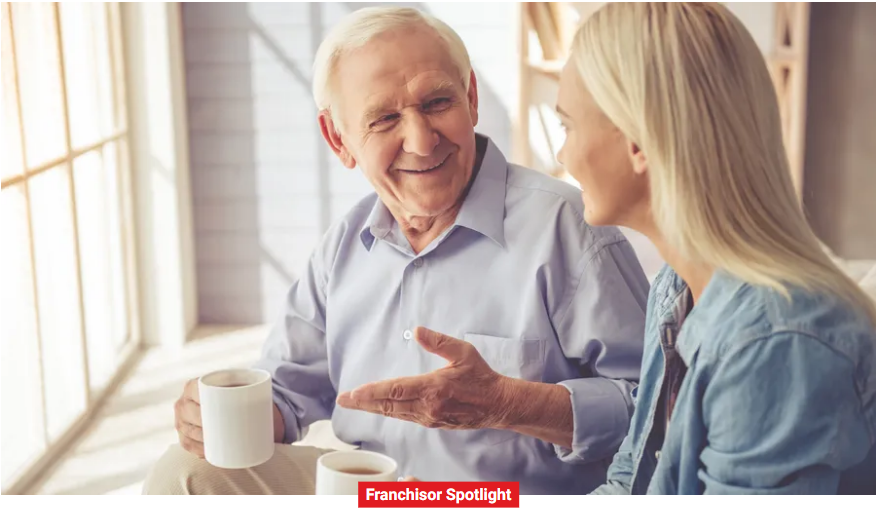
x,y
264,185
759,18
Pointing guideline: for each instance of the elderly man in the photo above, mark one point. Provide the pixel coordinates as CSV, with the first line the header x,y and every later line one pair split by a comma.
x,y
543,315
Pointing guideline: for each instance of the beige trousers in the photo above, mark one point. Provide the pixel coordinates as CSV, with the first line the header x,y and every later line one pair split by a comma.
x,y
292,470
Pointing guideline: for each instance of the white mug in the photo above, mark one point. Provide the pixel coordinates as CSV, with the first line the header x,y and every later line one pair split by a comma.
x,y
340,472
237,416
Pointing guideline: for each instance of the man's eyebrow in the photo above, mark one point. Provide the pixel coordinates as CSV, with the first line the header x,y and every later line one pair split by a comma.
x,y
561,112
442,88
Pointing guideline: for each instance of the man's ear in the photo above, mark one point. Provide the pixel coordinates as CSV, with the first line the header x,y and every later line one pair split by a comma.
x,y
333,137
637,158
473,98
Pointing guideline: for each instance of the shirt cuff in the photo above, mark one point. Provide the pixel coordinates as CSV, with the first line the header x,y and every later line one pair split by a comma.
x,y
601,412
292,432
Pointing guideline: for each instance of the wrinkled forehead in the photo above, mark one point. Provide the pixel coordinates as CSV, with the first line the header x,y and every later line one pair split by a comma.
x,y
393,70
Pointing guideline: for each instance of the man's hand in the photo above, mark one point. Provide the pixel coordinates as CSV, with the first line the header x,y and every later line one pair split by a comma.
x,y
465,394
187,420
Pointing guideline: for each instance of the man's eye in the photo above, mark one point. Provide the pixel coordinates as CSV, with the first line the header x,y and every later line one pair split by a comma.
x,y
438,103
383,120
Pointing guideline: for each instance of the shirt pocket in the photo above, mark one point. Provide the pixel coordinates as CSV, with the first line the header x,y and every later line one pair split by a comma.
x,y
513,357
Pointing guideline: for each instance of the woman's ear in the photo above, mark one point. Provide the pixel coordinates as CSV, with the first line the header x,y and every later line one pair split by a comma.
x,y
333,137
637,158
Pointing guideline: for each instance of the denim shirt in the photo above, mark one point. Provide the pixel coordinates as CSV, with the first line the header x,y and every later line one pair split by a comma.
x,y
779,396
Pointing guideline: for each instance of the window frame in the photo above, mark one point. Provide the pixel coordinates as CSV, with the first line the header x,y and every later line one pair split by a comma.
x,y
128,352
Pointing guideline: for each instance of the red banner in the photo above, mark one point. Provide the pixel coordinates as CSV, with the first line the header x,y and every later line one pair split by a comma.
x,y
439,494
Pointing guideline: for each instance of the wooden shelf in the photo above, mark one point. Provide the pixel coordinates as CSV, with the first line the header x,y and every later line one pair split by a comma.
x,y
552,25
549,68
783,57
549,26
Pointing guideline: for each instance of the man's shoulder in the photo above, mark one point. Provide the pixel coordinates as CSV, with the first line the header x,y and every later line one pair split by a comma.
x,y
355,218
534,186
549,200
349,226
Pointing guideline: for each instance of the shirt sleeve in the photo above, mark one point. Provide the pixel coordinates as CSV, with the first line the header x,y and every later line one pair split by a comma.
x,y
620,473
295,354
782,417
602,330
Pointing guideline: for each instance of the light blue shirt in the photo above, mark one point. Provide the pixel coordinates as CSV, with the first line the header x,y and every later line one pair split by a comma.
x,y
779,395
520,275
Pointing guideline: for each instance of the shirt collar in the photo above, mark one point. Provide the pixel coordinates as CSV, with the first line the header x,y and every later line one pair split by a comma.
x,y
674,292
379,224
482,211
484,208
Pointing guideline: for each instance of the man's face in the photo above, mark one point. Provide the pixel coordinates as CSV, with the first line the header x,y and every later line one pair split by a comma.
x,y
404,117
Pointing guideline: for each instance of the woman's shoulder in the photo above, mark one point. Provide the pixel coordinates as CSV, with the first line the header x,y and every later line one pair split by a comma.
x,y
740,317
732,312
770,339
750,313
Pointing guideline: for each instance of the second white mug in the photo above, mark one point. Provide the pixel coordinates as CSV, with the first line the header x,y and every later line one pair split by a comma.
x,y
340,472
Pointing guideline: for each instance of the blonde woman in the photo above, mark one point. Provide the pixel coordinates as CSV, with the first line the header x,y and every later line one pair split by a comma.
x,y
759,374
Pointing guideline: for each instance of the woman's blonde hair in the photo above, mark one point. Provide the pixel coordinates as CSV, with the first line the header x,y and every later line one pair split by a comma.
x,y
363,25
689,86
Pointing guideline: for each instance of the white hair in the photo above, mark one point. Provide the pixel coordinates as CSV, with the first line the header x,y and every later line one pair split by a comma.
x,y
363,25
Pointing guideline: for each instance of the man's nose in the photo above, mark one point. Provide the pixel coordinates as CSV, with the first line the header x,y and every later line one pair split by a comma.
x,y
420,138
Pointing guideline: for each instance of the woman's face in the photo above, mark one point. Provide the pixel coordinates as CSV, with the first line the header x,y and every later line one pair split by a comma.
x,y
610,169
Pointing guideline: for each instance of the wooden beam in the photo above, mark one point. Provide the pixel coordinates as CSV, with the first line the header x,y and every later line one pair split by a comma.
x,y
788,67
46,166
543,23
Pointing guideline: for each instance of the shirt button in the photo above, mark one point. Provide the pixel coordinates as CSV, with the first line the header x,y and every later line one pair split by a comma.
x,y
657,455
408,335
418,262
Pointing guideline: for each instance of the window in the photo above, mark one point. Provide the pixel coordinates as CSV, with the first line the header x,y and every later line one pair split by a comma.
x,y
68,294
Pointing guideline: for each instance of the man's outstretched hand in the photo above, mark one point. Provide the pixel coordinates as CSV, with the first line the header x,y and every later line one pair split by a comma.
x,y
465,394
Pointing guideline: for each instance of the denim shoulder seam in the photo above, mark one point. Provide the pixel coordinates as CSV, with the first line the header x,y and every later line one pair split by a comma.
x,y
727,357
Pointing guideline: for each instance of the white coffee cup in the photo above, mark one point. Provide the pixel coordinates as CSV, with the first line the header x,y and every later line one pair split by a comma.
x,y
340,472
237,416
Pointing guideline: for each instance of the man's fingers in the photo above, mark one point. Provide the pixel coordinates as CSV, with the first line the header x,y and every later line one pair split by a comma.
x,y
410,411
191,391
391,408
192,432
187,411
399,389
190,445
346,401
385,407
452,349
